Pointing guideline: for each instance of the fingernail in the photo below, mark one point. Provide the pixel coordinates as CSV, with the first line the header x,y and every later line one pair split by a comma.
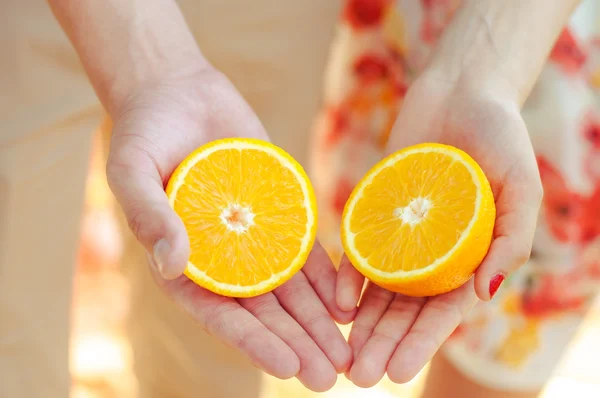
x,y
160,253
344,299
495,283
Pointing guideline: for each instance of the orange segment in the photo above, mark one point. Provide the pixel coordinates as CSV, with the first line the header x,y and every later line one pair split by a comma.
x,y
421,221
250,213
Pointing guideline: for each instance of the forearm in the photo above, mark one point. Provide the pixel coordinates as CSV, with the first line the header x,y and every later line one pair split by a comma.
x,y
504,41
124,44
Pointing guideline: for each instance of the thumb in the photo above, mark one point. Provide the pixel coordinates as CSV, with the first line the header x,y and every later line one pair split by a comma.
x,y
154,223
517,205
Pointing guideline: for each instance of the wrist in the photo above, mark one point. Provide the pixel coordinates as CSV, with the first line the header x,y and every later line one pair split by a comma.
x,y
150,73
471,82
158,48
128,45
467,60
499,45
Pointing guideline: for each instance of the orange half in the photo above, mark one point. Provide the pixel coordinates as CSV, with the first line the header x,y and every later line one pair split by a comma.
x,y
250,214
421,221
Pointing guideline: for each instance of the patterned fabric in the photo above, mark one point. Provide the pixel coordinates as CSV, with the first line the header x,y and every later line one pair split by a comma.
x,y
381,45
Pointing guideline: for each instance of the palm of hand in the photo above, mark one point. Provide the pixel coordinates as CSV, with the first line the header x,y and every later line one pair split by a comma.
x,y
398,334
288,332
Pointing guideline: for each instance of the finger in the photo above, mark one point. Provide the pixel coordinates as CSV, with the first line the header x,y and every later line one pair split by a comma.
x,y
370,366
437,320
373,305
299,299
518,205
225,319
316,372
349,285
138,188
322,276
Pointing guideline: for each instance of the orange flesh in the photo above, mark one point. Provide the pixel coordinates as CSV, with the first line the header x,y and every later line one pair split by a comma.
x,y
261,200
394,232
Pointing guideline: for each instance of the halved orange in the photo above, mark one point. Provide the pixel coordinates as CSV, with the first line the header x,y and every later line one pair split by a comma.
x,y
250,213
421,221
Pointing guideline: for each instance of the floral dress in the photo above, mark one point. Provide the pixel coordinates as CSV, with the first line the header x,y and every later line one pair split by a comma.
x,y
515,341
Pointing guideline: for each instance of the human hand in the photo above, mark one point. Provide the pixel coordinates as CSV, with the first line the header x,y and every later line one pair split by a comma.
x,y
398,334
288,332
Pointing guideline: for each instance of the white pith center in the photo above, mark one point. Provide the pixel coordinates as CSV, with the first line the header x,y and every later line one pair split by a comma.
x,y
415,212
237,218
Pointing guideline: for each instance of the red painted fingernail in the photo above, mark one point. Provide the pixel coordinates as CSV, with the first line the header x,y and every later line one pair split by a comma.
x,y
495,283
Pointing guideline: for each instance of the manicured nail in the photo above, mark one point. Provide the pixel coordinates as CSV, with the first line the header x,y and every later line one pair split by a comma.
x,y
161,254
495,283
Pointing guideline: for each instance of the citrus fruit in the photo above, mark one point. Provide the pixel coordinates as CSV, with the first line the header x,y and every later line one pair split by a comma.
x,y
250,214
421,220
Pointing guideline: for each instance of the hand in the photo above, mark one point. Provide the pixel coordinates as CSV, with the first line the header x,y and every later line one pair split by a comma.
x,y
289,332
400,334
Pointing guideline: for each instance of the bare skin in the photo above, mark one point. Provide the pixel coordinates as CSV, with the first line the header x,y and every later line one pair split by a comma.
x,y
445,381
469,96
153,79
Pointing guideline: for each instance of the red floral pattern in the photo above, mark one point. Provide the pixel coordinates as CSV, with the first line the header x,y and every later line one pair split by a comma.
x,y
360,108
568,52
362,14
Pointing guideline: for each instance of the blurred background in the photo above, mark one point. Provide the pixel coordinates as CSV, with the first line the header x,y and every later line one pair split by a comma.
x,y
101,359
